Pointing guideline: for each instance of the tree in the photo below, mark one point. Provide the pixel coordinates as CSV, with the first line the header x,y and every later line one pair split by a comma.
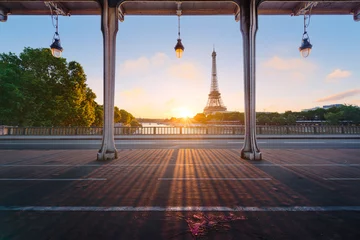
x,y
278,120
263,119
12,95
99,116
200,117
40,90
126,117
291,119
117,115
334,118
351,113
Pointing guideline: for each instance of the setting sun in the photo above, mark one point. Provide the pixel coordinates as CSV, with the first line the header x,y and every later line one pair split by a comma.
x,y
183,112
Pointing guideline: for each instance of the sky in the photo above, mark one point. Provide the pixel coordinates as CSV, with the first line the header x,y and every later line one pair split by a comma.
x,y
152,83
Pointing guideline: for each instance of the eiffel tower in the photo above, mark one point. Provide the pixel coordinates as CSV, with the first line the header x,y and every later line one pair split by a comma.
x,y
214,103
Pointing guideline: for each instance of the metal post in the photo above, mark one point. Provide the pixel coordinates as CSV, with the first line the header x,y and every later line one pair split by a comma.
x,y
109,28
248,27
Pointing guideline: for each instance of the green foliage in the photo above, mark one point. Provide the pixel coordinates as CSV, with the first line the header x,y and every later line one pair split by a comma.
x,y
290,119
218,117
278,120
135,123
41,90
334,118
37,89
263,120
346,114
126,117
200,117
351,113
99,116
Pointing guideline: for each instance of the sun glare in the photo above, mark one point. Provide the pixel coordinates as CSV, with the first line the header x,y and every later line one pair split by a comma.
x,y
183,112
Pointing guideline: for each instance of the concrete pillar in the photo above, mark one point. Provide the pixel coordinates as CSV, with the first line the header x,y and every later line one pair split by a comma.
x,y
109,28
248,27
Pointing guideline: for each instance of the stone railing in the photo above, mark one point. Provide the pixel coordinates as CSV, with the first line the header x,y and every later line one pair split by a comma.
x,y
206,130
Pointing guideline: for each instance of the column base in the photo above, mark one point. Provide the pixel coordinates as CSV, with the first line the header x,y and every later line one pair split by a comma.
x,y
105,156
255,156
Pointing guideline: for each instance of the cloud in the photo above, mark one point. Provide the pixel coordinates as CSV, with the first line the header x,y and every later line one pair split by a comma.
x,y
340,96
170,102
286,70
159,59
338,73
143,64
133,93
186,70
290,64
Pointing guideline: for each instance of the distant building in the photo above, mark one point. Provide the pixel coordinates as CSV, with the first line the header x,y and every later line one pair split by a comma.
x,y
324,107
332,105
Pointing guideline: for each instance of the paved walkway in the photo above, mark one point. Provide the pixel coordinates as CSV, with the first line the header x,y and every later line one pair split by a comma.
x,y
180,194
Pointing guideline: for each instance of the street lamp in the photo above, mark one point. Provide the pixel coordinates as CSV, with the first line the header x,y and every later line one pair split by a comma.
x,y
55,47
179,48
306,46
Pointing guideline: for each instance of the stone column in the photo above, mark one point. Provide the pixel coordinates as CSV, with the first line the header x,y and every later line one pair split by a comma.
x,y
248,27
109,28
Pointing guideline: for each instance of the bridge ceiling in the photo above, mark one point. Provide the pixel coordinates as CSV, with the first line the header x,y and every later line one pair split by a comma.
x,y
199,7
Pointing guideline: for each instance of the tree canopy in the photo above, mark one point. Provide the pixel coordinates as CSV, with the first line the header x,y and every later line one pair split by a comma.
x,y
345,114
37,89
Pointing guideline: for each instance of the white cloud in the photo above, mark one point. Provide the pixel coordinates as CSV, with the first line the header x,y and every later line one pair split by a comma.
x,y
143,65
286,70
159,59
132,93
340,96
337,74
291,64
186,70
129,67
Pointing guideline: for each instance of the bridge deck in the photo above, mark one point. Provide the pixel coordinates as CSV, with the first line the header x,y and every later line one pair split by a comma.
x,y
169,193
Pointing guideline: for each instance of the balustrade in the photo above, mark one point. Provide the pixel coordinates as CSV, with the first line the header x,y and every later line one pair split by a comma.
x,y
188,130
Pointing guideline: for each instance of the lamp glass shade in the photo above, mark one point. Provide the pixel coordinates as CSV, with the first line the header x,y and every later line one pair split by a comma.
x,y
305,52
56,53
179,53
305,48
179,48
56,48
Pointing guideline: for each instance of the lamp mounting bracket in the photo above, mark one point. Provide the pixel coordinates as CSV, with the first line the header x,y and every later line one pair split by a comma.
x,y
302,9
121,13
356,13
3,14
178,10
58,8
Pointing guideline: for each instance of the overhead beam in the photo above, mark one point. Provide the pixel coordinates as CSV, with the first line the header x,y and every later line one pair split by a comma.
x,y
150,7
343,1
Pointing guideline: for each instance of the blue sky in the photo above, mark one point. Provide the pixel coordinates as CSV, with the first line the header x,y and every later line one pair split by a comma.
x,y
152,82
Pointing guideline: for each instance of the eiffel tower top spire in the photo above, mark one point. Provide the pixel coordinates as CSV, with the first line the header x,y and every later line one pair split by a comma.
x,y
214,103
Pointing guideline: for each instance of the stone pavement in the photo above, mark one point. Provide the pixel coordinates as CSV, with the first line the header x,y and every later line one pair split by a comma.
x,y
180,194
